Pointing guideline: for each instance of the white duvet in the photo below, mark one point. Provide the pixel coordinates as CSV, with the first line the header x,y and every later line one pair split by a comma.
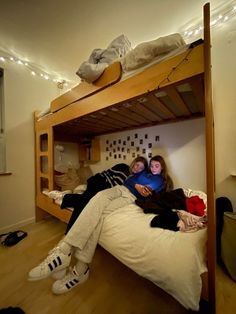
x,y
172,260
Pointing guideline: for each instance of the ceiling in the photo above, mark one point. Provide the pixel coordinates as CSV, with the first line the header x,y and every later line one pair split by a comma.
x,y
58,35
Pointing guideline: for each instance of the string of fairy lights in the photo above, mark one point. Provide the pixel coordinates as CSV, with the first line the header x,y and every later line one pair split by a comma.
x,y
218,19
34,70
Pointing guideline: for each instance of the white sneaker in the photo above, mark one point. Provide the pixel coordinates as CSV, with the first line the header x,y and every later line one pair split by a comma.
x,y
59,274
54,262
70,281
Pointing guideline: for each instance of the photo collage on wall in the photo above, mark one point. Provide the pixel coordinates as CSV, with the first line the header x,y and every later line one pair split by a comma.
x,y
130,146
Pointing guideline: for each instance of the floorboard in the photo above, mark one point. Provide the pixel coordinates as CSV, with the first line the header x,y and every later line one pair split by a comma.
x,y
111,288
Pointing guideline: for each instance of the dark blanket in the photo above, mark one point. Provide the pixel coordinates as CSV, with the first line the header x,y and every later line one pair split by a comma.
x,y
166,220
158,203
162,204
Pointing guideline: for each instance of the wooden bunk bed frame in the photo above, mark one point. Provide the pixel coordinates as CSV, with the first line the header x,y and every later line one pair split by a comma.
x,y
113,105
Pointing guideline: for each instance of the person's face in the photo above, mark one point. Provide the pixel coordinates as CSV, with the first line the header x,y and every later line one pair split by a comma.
x,y
137,167
155,167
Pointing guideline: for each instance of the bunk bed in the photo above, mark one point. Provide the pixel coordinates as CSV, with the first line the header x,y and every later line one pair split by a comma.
x,y
161,93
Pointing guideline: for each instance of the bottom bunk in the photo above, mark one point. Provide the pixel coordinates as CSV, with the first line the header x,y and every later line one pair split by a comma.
x,y
174,261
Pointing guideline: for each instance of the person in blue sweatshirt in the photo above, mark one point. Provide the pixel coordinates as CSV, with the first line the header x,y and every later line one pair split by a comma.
x,y
99,182
83,236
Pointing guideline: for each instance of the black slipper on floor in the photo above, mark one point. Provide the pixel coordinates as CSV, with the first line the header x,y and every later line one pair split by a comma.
x,y
12,238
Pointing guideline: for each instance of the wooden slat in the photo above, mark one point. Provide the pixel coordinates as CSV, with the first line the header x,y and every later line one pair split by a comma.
x,y
100,126
106,121
116,115
157,104
43,175
198,90
113,121
130,112
175,97
80,130
145,112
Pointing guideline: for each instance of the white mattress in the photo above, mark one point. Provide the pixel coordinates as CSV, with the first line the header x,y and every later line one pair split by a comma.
x,y
172,260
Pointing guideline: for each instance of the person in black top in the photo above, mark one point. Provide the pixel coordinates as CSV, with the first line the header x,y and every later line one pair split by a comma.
x,y
101,181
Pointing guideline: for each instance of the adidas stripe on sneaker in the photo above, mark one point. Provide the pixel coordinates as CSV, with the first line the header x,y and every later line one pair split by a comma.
x,y
70,281
54,262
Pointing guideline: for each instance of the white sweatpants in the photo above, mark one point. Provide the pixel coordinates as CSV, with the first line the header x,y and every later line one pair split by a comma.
x,y
85,232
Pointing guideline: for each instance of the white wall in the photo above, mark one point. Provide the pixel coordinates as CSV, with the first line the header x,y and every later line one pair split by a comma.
x,y
23,95
181,144
224,99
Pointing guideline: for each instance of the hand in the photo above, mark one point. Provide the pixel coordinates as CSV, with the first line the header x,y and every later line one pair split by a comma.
x,y
143,190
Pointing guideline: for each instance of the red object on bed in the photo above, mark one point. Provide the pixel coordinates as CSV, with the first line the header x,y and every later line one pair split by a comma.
x,y
195,205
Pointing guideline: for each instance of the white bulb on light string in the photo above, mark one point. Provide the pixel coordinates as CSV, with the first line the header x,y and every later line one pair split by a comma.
x,y
217,20
34,71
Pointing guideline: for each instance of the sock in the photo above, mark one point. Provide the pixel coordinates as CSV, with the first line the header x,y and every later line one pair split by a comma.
x,y
81,267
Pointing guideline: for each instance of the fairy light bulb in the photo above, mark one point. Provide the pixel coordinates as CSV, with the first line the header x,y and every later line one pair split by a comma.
x,y
34,70
217,19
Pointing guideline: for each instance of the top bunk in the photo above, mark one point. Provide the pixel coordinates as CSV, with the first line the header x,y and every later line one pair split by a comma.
x,y
162,92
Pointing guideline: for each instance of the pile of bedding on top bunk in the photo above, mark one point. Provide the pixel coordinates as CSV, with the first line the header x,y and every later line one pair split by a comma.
x,y
172,260
147,51
131,59
99,59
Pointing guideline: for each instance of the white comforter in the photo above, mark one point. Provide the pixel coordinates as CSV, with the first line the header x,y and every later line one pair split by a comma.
x,y
172,260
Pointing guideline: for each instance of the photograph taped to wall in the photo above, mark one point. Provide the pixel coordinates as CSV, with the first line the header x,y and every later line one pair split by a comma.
x,y
131,146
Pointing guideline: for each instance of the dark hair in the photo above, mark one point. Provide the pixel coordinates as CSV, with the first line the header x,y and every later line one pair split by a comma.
x,y
164,172
139,159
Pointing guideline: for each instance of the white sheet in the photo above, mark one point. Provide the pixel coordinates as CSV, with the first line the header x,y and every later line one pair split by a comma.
x,y
172,260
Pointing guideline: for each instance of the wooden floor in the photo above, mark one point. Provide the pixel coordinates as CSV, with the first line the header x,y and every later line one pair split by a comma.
x,y
111,288
225,292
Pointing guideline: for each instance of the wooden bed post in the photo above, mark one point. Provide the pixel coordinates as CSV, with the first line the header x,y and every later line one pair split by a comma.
x,y
210,161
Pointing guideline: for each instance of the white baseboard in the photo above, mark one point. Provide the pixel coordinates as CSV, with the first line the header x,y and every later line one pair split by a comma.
x,y
17,225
